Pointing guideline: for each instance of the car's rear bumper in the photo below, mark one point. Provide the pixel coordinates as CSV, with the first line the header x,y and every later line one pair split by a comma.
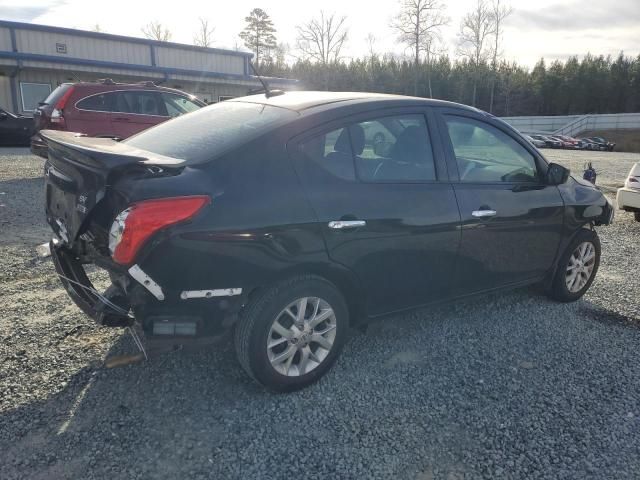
x,y
83,293
133,296
628,199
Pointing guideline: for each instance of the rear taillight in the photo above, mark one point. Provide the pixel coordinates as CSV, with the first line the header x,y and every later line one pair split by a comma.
x,y
632,180
133,227
57,116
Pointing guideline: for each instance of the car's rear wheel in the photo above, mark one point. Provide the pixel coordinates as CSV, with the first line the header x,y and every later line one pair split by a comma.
x,y
577,267
289,335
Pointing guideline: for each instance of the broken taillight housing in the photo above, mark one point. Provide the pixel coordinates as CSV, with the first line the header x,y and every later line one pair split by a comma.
x,y
133,226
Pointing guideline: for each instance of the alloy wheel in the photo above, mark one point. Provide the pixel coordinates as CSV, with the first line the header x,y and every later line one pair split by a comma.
x,y
580,266
301,336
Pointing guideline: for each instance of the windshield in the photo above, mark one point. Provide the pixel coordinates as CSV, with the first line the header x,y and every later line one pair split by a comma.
x,y
206,133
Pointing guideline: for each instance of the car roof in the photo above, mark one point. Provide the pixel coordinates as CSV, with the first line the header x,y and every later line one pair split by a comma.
x,y
300,101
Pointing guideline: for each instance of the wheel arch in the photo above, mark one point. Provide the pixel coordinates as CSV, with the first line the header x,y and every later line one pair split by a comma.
x,y
343,279
586,225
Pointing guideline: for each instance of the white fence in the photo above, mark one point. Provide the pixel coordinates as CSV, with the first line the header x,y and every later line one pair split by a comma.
x,y
574,124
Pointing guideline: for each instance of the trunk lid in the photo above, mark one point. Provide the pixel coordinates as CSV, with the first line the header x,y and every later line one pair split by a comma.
x,y
79,172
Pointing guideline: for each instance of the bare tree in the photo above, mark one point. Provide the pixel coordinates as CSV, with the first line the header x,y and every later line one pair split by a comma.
x,y
204,36
156,31
499,12
321,39
280,54
371,44
475,30
418,26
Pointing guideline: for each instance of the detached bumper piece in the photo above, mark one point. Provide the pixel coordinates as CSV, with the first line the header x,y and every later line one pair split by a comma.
x,y
105,308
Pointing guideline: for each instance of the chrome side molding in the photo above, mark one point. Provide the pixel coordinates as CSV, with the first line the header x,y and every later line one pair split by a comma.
x,y
220,292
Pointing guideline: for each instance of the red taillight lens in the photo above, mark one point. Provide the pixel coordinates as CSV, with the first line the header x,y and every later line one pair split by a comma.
x,y
64,99
633,180
143,219
57,117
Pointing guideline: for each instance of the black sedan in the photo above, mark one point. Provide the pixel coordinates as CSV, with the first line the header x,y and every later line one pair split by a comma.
x,y
15,130
278,218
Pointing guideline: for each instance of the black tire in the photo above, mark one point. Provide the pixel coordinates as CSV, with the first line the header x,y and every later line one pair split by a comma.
x,y
253,329
559,290
636,215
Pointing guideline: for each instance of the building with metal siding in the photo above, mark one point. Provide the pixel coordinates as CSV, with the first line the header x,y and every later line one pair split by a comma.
x,y
35,59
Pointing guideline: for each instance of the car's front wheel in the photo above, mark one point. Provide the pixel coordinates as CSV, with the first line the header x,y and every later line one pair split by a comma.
x,y
289,335
577,267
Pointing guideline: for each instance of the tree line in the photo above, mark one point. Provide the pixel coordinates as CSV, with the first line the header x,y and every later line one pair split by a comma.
x,y
477,75
593,84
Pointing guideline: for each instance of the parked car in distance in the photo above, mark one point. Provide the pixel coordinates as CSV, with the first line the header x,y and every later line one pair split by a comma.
x,y
268,216
536,142
602,143
15,130
587,144
563,144
628,197
548,141
567,142
108,109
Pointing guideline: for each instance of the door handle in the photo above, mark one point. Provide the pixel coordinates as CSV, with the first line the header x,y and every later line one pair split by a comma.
x,y
346,224
483,213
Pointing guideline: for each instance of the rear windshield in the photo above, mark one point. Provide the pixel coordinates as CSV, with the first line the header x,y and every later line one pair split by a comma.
x,y
206,133
57,94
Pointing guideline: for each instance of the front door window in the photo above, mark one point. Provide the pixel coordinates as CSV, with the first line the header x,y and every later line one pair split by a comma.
x,y
485,154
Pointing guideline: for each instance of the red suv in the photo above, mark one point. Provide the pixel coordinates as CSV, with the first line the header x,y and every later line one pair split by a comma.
x,y
108,109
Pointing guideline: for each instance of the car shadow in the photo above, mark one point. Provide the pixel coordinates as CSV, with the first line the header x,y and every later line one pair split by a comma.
x,y
421,390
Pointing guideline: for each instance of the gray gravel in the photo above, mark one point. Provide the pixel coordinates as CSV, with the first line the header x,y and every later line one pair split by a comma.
x,y
507,386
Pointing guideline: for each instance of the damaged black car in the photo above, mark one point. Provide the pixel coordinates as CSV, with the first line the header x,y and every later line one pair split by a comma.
x,y
285,220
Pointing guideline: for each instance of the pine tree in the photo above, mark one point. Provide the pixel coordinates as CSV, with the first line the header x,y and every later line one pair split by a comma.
x,y
259,34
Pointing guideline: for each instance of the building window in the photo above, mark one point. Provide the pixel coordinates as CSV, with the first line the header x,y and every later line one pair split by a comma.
x,y
32,94
222,98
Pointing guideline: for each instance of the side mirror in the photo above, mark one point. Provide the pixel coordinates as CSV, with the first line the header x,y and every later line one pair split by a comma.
x,y
557,174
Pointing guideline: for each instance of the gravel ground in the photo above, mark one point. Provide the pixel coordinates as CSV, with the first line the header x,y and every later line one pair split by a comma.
x,y
507,386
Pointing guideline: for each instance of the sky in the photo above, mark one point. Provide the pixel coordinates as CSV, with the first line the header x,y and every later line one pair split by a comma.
x,y
553,29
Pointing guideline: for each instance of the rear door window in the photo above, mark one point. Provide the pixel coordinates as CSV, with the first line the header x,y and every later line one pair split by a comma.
x,y
96,103
177,105
393,149
139,103
331,152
